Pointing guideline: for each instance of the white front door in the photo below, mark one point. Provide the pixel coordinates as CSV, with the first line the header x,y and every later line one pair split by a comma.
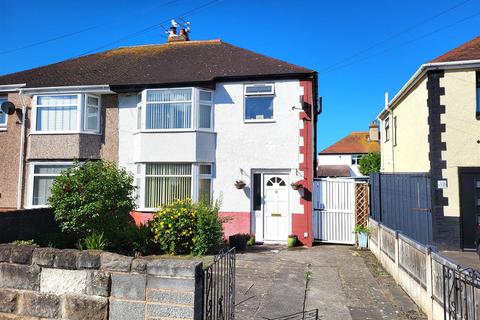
x,y
275,207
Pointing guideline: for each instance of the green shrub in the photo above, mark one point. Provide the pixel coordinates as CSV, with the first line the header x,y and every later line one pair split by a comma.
x,y
132,240
92,197
173,227
184,227
208,230
251,240
361,229
369,163
24,242
95,241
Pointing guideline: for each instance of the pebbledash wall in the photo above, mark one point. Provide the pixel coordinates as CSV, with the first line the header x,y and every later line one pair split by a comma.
x,y
236,148
77,285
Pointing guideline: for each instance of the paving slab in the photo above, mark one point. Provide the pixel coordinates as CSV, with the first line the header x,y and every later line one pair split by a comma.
x,y
343,283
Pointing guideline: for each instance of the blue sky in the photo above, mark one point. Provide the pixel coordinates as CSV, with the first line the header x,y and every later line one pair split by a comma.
x,y
360,48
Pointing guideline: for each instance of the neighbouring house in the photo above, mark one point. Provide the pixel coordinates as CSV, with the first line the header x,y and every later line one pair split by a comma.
x,y
187,118
432,125
341,159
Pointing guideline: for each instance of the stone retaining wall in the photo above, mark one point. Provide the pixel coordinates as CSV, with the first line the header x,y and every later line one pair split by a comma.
x,y
96,285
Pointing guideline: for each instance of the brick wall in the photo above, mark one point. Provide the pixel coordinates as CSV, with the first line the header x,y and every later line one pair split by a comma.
x,y
71,284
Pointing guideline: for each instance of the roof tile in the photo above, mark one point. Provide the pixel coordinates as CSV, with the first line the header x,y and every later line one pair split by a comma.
x,y
169,63
355,142
467,51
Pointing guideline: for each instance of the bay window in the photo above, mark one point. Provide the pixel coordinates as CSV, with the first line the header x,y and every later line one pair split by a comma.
x,y
168,109
162,183
205,110
204,182
41,180
165,182
57,113
259,102
3,115
175,109
92,114
69,113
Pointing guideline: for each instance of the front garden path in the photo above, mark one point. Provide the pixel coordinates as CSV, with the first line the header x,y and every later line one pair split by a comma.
x,y
343,284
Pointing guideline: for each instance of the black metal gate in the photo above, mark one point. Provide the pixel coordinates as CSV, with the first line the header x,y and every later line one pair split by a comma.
x,y
460,290
219,287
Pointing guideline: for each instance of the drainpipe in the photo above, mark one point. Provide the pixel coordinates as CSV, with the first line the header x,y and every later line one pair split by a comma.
x,y
21,153
390,115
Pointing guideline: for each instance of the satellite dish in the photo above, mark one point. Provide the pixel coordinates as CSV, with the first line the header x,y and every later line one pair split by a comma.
x,y
8,107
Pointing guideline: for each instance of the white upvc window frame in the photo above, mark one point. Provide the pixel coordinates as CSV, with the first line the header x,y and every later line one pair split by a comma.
x,y
86,114
140,180
143,106
387,129
4,125
195,110
81,114
203,176
477,91
32,175
198,103
356,159
246,95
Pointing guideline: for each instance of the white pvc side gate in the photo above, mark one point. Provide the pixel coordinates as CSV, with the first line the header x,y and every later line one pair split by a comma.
x,y
334,210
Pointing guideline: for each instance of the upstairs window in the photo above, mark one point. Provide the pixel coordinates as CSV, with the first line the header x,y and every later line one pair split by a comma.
x,y
356,159
259,102
3,115
57,113
478,95
69,113
395,131
92,114
387,129
205,110
168,109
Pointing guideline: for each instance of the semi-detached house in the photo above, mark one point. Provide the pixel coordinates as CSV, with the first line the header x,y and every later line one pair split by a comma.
x,y
432,125
188,119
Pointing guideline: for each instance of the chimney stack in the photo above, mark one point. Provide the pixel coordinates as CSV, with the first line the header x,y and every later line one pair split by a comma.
x,y
373,131
183,36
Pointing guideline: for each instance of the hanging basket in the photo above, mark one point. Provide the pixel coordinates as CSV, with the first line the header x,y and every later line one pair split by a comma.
x,y
296,185
239,184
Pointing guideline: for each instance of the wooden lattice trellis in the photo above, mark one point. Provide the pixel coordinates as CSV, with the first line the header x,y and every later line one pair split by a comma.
x,y
361,205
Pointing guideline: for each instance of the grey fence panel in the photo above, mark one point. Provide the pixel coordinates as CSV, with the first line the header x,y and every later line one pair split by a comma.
x,y
388,239
413,259
402,201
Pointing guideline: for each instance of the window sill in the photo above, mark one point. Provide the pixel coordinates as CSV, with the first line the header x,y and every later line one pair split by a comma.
x,y
3,128
37,206
64,133
164,131
147,210
174,131
260,121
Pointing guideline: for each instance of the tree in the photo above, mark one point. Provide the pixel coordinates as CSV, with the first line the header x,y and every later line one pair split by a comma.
x,y
369,163
92,197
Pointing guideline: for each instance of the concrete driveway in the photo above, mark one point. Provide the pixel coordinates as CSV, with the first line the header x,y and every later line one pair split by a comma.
x,y
343,283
